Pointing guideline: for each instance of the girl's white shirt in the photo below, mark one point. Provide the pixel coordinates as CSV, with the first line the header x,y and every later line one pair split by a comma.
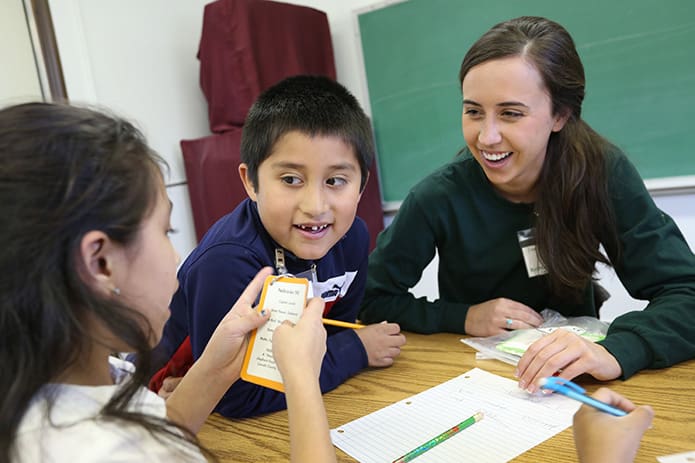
x,y
75,432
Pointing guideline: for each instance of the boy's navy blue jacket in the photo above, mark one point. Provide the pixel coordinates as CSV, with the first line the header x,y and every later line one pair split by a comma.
x,y
215,274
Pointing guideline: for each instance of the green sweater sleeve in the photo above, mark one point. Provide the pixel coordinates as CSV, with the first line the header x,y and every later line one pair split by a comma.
x,y
403,251
657,265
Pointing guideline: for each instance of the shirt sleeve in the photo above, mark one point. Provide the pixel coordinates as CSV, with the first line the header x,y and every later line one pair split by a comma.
x,y
344,357
212,286
396,265
345,353
657,265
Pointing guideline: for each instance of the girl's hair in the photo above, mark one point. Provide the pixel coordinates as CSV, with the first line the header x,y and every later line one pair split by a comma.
x,y
65,171
573,212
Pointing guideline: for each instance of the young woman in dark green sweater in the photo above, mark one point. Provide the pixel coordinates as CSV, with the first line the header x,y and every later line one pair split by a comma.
x,y
518,219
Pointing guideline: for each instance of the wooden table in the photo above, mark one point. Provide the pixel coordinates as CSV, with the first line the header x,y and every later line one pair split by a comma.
x,y
428,360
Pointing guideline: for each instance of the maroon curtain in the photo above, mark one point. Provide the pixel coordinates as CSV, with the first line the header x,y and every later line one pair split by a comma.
x,y
213,180
249,45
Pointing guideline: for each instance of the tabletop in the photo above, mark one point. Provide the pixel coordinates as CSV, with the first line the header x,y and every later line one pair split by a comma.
x,y
428,360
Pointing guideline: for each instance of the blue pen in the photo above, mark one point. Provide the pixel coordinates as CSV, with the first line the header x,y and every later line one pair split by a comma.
x,y
574,391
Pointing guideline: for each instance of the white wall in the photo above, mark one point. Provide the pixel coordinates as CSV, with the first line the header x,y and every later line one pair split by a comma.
x,y
19,79
682,209
138,57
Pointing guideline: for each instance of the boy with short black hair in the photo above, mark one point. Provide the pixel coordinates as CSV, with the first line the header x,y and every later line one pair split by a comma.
x,y
305,151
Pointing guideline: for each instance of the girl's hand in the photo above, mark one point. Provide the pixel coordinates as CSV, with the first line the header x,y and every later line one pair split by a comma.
x,y
601,437
227,346
299,349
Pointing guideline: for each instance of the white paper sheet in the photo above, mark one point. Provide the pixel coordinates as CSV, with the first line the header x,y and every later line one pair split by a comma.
x,y
513,422
685,457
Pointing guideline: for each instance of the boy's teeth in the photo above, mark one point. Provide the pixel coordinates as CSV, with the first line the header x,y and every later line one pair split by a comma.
x,y
495,157
313,228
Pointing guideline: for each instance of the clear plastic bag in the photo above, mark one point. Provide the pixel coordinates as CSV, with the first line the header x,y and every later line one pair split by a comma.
x,y
509,347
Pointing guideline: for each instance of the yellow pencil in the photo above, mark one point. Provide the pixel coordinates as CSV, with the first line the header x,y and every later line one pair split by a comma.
x,y
328,321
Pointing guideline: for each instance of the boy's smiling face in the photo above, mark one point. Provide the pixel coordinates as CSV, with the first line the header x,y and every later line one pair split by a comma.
x,y
307,192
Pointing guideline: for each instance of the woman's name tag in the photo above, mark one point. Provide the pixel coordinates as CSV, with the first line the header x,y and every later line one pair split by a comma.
x,y
527,242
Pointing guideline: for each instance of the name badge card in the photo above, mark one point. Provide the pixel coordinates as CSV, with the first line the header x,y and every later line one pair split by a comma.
x,y
527,242
285,297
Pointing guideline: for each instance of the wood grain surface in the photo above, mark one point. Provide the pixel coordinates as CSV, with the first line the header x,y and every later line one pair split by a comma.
x,y
428,360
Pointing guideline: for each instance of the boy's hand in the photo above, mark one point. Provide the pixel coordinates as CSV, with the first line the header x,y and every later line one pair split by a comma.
x,y
382,341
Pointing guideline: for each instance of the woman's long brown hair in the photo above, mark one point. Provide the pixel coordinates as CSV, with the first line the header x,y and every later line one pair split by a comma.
x,y
573,213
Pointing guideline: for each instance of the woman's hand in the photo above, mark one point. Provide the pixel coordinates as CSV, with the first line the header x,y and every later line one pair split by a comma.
x,y
568,355
499,315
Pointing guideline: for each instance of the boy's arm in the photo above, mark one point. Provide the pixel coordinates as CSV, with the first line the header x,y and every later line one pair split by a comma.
x,y
216,281
213,284
344,357
220,363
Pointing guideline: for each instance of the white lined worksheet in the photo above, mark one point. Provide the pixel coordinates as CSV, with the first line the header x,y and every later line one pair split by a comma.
x,y
513,422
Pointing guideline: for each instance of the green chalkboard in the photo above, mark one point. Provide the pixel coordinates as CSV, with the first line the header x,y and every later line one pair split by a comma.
x,y
639,58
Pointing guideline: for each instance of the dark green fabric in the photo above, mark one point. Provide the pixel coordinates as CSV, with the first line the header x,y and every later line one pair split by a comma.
x,y
456,212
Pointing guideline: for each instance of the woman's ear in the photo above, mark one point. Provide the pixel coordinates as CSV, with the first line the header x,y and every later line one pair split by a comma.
x,y
248,184
561,119
98,258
